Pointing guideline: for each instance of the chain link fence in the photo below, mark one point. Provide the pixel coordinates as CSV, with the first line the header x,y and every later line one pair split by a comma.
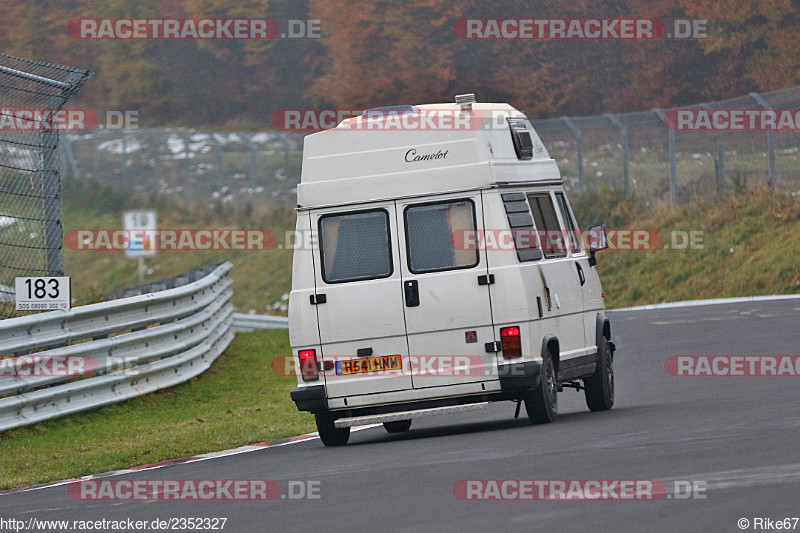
x,y
31,237
188,166
633,152
637,153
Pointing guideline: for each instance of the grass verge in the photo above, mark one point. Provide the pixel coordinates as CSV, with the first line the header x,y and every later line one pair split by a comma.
x,y
238,401
750,247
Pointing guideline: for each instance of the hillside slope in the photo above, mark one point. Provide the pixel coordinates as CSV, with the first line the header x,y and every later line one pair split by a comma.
x,y
750,246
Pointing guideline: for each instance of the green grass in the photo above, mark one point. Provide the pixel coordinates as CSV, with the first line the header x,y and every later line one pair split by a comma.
x,y
750,247
238,401
261,278
764,260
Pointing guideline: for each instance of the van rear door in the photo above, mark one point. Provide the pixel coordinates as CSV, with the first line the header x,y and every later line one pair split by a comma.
x,y
446,291
359,300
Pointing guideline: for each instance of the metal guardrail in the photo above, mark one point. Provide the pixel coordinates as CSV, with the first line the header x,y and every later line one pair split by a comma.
x,y
140,344
245,323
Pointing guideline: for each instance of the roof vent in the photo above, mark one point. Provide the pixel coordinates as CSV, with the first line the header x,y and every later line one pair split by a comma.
x,y
523,142
465,101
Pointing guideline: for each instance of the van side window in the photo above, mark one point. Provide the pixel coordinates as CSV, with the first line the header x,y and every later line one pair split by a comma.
x,y
550,234
355,246
520,222
433,232
573,237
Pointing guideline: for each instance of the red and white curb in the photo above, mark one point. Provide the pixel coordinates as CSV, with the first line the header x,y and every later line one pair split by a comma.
x,y
170,462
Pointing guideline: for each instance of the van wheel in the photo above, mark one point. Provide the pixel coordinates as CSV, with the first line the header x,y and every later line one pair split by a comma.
x,y
398,426
600,387
541,404
328,433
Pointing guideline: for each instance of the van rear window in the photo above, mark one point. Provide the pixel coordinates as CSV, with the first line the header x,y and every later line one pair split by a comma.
x,y
573,236
355,246
550,234
520,222
433,232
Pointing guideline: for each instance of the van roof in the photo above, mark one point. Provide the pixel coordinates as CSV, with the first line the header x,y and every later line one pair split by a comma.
x,y
418,150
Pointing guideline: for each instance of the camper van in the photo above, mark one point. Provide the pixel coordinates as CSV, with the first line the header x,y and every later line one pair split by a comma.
x,y
445,271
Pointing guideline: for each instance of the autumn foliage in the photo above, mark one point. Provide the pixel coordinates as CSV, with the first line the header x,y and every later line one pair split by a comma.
x,y
387,52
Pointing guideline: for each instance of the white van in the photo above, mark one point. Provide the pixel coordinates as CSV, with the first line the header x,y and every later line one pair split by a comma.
x,y
445,273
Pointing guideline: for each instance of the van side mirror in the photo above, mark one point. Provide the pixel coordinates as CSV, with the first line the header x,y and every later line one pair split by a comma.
x,y
598,240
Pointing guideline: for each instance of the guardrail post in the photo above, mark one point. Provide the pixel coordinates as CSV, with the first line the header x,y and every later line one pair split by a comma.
x,y
770,141
673,167
624,134
579,144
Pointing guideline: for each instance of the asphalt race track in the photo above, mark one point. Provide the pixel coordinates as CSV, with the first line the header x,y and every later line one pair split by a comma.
x,y
738,437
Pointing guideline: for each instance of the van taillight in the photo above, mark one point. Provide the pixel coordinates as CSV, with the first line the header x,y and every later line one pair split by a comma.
x,y
309,368
512,346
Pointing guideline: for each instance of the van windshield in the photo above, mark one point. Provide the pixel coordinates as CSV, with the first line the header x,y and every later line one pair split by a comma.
x,y
355,246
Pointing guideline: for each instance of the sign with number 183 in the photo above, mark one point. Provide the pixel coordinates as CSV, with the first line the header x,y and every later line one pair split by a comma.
x,y
42,293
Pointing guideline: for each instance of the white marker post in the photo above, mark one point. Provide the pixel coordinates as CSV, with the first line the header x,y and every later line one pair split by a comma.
x,y
140,227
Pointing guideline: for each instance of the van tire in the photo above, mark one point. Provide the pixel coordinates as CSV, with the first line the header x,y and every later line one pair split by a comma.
x,y
398,426
599,388
541,404
328,433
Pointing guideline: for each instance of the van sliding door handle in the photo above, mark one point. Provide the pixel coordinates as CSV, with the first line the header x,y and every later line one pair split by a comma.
x,y
580,273
411,290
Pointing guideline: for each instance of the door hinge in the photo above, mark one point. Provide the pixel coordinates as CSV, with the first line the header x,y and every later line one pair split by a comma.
x,y
486,280
493,347
318,299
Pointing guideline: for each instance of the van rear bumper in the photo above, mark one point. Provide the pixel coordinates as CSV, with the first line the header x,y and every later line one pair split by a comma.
x,y
311,399
512,379
524,375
